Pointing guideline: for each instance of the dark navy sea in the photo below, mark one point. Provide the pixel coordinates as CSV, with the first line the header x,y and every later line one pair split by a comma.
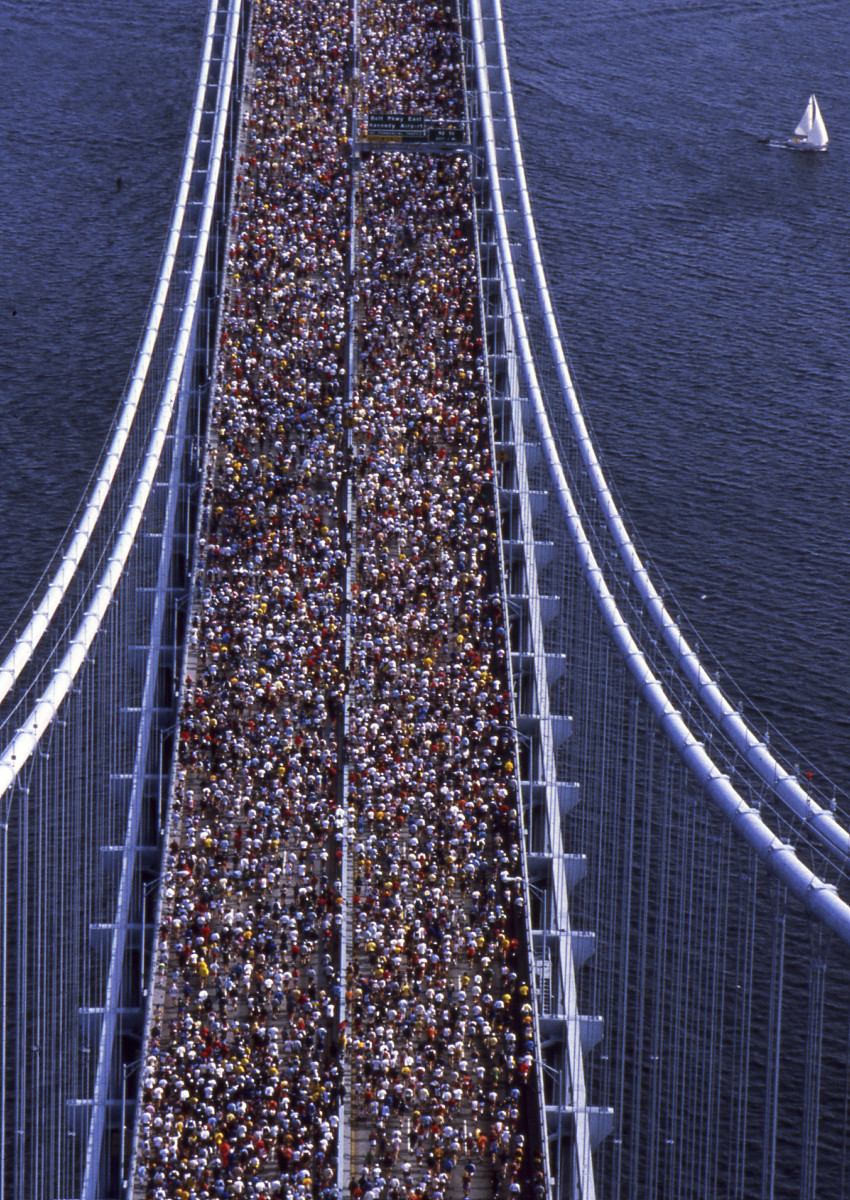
x,y
702,282
92,92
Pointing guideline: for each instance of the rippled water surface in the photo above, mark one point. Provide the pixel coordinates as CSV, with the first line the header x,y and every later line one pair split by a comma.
x,y
701,279
92,93
702,282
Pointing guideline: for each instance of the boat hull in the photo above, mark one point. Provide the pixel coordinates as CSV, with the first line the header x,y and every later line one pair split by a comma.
x,y
804,149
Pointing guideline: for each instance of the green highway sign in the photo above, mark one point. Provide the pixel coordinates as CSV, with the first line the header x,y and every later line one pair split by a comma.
x,y
396,127
447,131
400,127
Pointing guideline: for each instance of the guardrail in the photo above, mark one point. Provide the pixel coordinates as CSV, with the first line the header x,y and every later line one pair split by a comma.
x,y
523,838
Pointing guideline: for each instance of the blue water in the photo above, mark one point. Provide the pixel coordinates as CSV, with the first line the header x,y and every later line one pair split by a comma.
x,y
702,282
92,92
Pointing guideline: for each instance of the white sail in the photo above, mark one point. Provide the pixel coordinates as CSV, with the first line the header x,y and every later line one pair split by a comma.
x,y
817,134
805,123
810,133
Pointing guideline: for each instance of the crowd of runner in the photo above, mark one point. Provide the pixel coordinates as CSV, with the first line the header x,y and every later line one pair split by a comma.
x,y
326,780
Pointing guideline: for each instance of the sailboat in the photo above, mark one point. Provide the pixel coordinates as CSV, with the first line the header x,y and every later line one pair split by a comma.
x,y
810,133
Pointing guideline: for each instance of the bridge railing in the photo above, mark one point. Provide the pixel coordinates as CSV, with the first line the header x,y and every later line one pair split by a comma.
x,y
88,699
537,1119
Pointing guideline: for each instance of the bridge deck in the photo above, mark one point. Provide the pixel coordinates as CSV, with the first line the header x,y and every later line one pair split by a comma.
x,y
360,501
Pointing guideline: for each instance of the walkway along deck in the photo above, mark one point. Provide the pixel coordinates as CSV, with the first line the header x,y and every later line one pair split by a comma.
x,y
345,956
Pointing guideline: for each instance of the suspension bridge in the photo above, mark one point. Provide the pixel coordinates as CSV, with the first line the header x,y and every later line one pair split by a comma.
x,y
665,895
